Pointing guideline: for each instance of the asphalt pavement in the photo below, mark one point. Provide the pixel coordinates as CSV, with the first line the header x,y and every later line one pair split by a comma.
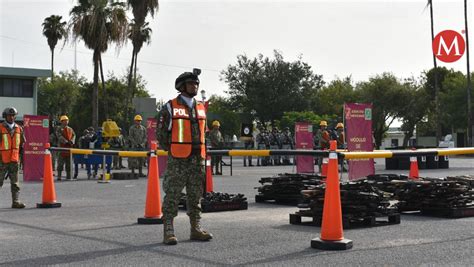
x,y
97,226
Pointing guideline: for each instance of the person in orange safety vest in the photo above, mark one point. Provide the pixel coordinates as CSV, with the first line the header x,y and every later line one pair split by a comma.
x,y
11,140
181,131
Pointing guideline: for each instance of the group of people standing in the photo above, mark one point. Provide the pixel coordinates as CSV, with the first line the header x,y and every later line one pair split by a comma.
x,y
65,136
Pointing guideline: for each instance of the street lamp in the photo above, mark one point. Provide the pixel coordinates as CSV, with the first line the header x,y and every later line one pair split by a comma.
x,y
203,95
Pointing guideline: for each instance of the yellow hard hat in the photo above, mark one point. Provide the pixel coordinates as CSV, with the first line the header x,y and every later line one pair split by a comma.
x,y
323,123
137,118
64,118
339,125
216,123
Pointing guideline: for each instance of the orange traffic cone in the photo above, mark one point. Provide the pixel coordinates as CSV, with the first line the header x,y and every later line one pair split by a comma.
x,y
332,237
49,193
324,167
413,169
209,181
153,213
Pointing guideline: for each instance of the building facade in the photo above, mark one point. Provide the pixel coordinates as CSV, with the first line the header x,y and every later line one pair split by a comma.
x,y
19,89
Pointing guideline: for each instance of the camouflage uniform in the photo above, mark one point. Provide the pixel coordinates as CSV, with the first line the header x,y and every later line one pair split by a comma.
x,y
64,158
287,143
275,144
187,172
216,139
262,144
137,138
11,169
117,143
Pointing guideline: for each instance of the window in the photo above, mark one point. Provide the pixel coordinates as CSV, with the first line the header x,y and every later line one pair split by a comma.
x,y
16,87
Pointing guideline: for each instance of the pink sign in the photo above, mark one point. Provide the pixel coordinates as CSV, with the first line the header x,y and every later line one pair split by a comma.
x,y
36,130
304,140
358,120
151,134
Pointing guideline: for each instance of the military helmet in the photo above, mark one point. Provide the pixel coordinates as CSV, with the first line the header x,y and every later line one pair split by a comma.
x,y
185,77
323,123
9,111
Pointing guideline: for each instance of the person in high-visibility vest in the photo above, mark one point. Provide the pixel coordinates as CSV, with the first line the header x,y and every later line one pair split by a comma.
x,y
66,138
181,130
11,140
137,138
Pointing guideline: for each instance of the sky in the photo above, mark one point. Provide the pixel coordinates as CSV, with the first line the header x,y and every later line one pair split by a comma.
x,y
337,38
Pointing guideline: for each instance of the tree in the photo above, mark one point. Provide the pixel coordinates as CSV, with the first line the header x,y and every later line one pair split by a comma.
x,y
220,109
98,23
385,92
435,75
59,97
139,33
270,86
54,29
331,98
415,109
453,106
289,119
430,78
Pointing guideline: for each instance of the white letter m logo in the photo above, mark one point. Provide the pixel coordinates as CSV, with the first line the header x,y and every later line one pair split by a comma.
x,y
442,43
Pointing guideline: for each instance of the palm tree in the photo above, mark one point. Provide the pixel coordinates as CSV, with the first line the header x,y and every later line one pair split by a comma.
x,y
435,72
469,85
54,29
140,9
138,35
98,23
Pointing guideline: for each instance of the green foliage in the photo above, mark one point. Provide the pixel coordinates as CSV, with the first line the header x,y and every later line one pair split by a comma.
x,y
331,98
386,94
54,30
269,87
98,23
453,104
70,95
58,97
289,119
416,108
221,110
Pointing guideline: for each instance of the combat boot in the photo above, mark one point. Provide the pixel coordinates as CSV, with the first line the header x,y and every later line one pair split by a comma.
x,y
197,233
59,176
168,233
140,172
15,203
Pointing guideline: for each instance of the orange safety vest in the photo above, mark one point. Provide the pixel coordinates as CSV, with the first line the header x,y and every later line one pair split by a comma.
x,y
325,142
67,134
10,145
181,132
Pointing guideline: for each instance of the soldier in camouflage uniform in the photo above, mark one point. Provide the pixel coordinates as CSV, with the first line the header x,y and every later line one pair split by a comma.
x,y
11,139
262,144
137,138
66,138
287,142
275,144
117,143
181,131
217,140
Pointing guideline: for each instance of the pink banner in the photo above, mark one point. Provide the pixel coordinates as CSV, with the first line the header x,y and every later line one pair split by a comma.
x,y
358,120
36,129
304,140
151,134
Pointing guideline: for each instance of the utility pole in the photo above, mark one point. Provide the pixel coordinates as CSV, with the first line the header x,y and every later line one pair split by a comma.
x,y
469,85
